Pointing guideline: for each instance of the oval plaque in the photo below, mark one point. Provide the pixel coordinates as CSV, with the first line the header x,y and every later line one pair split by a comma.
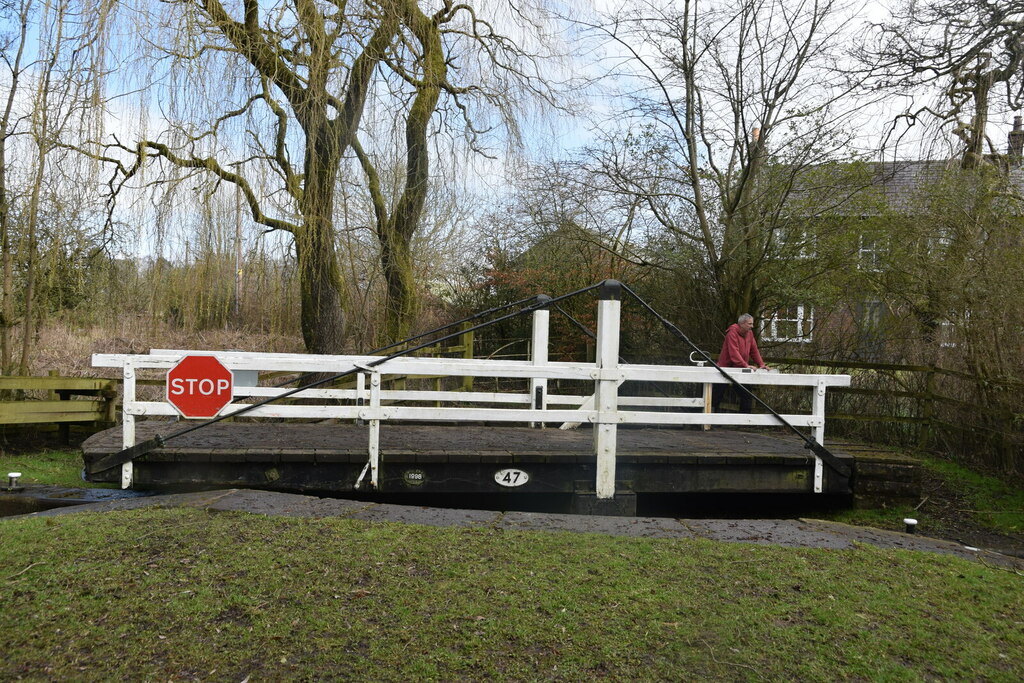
x,y
511,477
414,477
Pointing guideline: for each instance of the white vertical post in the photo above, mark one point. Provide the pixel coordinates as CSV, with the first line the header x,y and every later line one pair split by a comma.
x,y
818,410
539,356
127,421
606,387
374,436
360,393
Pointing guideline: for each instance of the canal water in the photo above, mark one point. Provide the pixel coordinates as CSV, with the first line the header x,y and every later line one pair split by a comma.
x,y
24,500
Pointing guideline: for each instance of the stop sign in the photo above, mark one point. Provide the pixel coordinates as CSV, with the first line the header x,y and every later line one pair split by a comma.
x,y
199,386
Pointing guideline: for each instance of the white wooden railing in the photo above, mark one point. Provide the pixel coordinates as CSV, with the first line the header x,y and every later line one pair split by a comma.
x,y
604,408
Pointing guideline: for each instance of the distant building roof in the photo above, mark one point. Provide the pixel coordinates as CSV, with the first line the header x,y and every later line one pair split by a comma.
x,y
900,187
905,184
875,188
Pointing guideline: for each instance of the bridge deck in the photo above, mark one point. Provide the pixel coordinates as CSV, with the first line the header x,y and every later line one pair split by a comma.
x,y
453,459
442,443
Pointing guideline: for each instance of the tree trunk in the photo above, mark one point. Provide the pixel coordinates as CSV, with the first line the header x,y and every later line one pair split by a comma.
x,y
974,137
41,133
7,267
6,257
323,322
320,285
400,308
396,237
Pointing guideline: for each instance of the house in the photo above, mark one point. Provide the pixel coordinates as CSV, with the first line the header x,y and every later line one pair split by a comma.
x,y
908,244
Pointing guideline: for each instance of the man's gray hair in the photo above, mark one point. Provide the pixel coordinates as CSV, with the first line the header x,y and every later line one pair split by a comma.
x,y
745,316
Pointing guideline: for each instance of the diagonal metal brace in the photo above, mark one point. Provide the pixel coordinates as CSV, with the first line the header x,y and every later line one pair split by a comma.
x,y
818,449
121,457
829,458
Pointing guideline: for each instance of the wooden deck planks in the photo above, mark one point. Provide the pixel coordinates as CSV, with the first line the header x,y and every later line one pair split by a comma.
x,y
298,442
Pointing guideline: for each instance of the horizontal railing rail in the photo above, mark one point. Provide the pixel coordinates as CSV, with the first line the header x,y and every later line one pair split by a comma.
x,y
989,426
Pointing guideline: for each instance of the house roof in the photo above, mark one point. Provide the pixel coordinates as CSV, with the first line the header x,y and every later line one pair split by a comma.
x,y
877,188
904,183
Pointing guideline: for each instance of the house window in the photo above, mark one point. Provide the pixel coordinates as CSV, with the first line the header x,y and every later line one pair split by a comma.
x,y
948,331
791,324
945,334
870,251
795,243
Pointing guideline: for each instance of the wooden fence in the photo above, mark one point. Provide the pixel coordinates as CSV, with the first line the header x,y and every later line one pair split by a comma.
x,y
57,400
928,407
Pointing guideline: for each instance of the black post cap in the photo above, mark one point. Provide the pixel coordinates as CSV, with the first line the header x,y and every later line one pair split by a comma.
x,y
610,290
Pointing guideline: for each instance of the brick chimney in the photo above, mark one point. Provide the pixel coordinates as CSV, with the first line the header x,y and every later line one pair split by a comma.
x,y
1016,140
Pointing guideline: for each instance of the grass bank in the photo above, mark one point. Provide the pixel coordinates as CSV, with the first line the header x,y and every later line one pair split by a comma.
x,y
955,500
53,467
178,594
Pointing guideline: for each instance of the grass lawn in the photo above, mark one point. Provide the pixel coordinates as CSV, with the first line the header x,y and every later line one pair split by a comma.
x,y
183,594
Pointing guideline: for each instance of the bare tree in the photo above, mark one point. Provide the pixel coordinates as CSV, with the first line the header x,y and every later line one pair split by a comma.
x,y
438,70
300,77
972,49
732,104
45,100
306,72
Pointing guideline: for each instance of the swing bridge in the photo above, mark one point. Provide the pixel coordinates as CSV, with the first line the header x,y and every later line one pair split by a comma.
x,y
633,429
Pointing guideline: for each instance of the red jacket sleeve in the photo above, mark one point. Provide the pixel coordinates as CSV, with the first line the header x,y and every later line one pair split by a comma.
x,y
755,355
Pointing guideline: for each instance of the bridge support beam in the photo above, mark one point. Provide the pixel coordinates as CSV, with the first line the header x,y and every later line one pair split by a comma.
x,y
606,387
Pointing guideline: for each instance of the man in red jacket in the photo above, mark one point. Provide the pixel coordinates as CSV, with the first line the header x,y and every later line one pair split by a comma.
x,y
739,350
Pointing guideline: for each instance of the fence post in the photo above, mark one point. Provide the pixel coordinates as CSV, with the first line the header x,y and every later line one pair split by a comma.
x,y
467,339
924,431
63,429
539,356
110,402
127,421
373,421
52,393
606,386
818,410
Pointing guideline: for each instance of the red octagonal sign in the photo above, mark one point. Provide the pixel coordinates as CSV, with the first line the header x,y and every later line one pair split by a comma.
x,y
199,386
